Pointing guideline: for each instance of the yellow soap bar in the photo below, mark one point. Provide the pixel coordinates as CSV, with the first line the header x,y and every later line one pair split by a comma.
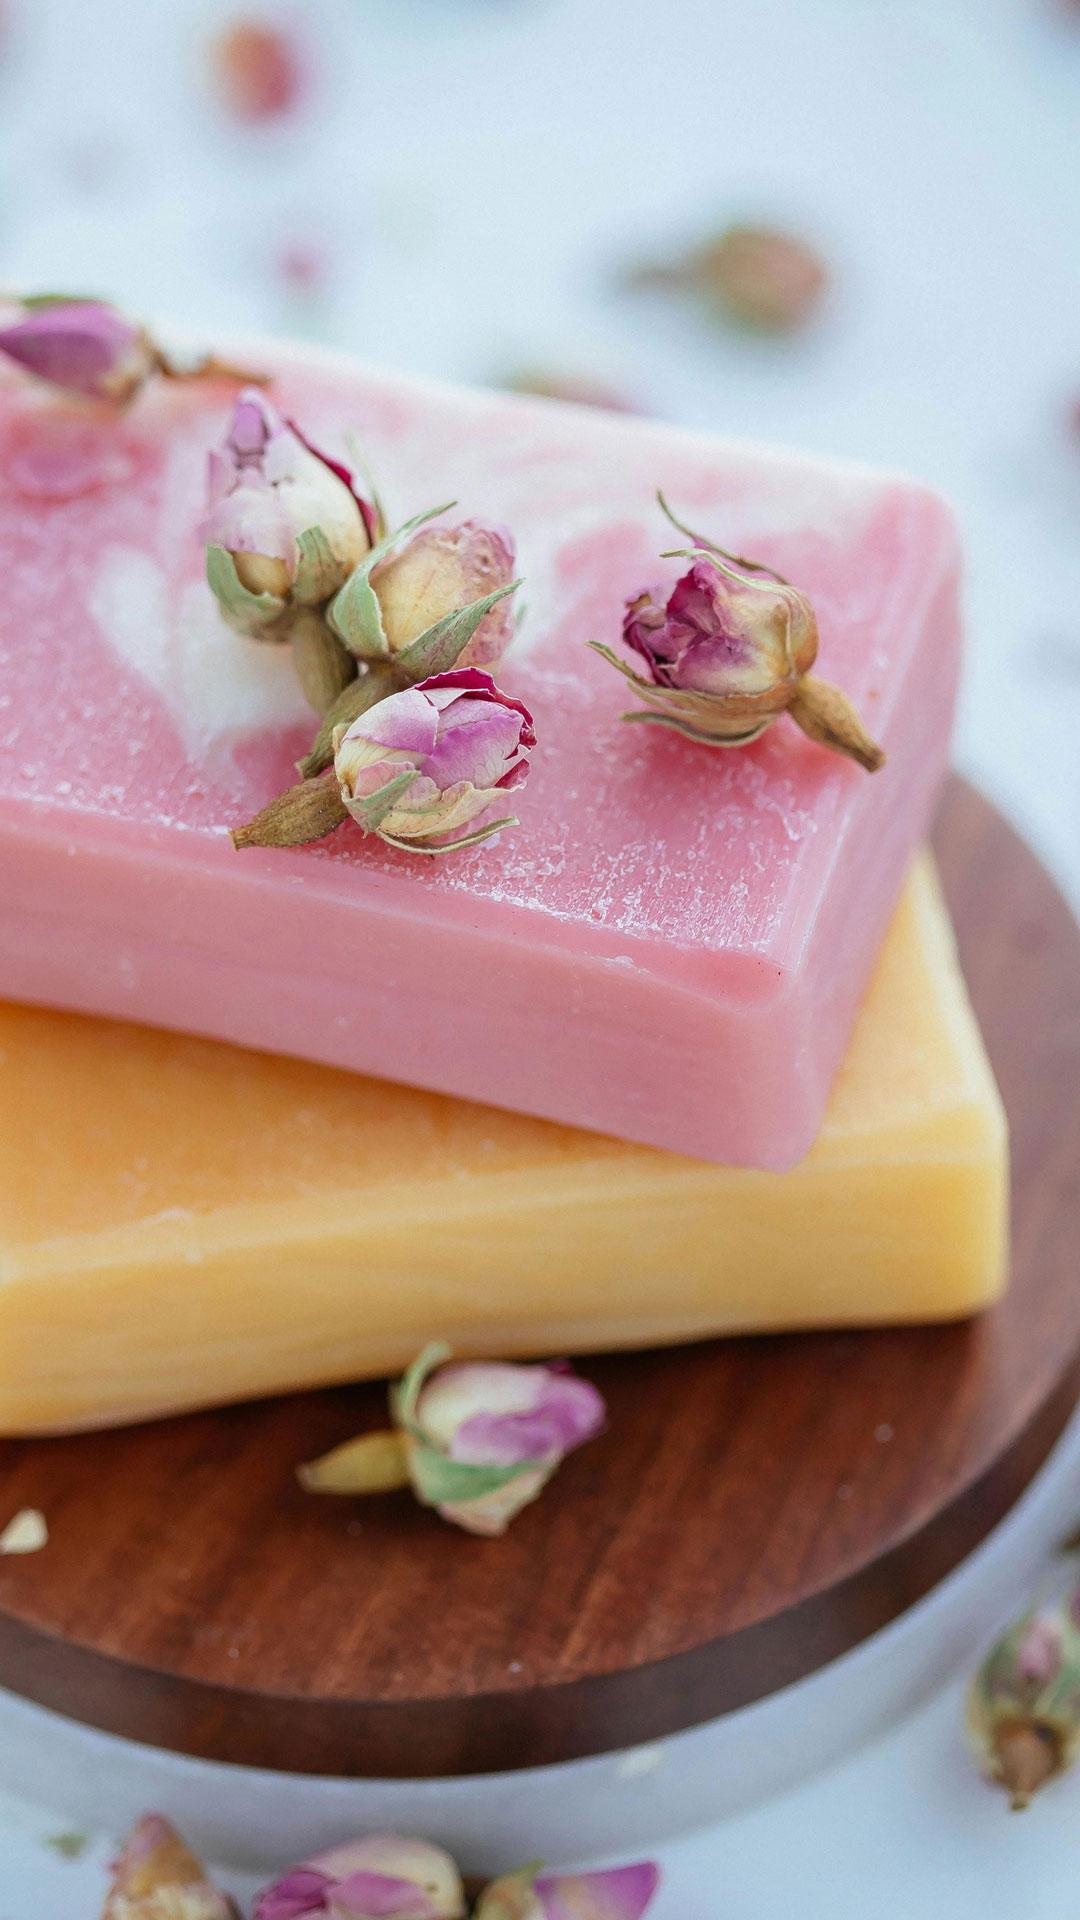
x,y
183,1223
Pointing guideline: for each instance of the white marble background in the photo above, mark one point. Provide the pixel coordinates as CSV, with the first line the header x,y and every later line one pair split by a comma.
x,y
475,170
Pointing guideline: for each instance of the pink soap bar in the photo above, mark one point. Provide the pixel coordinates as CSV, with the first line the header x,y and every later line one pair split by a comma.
x,y
673,944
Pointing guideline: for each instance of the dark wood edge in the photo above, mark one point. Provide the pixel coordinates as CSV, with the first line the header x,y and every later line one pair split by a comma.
x,y
541,1725
500,1732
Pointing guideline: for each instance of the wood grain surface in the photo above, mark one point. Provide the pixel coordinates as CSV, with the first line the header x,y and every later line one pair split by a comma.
x,y
756,1507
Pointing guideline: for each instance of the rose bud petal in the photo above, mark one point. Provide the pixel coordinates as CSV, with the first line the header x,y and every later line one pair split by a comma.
x,y
433,759
727,649
285,522
614,1893
495,1413
1023,1713
258,70
744,639
84,346
439,571
157,1878
379,1875
486,1437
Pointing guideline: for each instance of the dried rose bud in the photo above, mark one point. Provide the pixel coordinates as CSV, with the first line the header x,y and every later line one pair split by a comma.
x,y
258,71
614,1893
414,768
429,598
728,649
477,1441
286,525
434,759
83,346
753,276
1023,1714
157,1878
440,571
369,1879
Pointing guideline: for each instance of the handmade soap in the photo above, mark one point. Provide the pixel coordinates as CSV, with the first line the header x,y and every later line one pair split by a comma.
x,y
183,1222
672,945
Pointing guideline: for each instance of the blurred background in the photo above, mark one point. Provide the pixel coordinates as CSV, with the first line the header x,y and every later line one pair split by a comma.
x,y
538,191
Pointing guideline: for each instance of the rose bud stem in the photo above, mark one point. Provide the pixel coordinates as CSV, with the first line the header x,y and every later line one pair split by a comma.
x,y
209,366
324,667
828,716
373,1463
1028,1757
306,812
356,698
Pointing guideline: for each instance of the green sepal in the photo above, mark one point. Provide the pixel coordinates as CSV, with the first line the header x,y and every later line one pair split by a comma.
x,y
372,809
36,302
708,549
357,698
317,573
440,647
439,1481
452,846
684,711
620,666
690,732
242,609
404,1396
354,612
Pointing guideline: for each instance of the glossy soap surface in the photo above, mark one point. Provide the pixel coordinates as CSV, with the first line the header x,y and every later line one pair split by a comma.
x,y
672,946
232,1225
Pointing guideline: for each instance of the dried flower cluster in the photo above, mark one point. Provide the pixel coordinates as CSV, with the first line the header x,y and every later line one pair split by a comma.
x,y
475,1441
388,631
376,1877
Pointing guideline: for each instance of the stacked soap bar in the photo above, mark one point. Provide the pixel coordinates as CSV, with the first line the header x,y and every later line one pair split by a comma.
x,y
183,1223
671,948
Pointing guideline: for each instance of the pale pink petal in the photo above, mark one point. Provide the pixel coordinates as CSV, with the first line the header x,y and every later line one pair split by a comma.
x,y
301,1891
619,1893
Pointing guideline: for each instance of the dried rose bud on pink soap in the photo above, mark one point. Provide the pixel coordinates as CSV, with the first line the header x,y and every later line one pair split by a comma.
x,y
673,944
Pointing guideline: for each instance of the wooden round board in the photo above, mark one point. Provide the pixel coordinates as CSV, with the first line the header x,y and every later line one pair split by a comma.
x,y
741,1523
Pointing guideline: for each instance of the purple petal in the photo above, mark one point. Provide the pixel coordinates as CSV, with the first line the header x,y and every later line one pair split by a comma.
x,y
1039,1655
255,422
405,722
568,1411
304,1890
250,519
366,1896
697,603
78,344
644,627
619,1893
514,776
476,738
475,680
